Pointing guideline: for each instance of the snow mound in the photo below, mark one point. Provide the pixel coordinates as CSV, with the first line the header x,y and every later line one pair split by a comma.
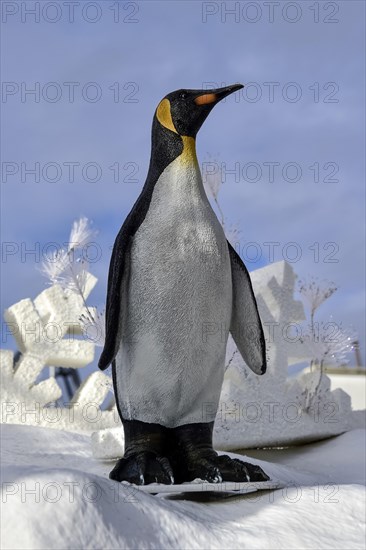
x,y
56,495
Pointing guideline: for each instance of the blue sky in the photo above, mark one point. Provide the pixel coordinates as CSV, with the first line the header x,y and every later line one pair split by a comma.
x,y
302,109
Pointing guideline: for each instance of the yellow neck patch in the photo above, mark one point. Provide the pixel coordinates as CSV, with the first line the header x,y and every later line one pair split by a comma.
x,y
188,155
164,115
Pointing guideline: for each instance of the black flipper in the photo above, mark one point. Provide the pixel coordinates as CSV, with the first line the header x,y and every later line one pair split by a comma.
x,y
115,291
246,327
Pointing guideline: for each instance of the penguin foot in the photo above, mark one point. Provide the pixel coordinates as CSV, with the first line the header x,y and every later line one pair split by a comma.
x,y
142,468
233,469
217,469
201,468
192,456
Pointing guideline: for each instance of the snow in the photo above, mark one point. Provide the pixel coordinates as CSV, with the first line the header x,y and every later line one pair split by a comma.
x,y
55,487
199,485
354,385
254,411
55,494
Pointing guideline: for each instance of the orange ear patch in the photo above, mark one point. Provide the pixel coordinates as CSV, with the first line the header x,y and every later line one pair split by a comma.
x,y
205,99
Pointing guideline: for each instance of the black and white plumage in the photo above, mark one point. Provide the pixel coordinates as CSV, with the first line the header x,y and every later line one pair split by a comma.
x,y
176,288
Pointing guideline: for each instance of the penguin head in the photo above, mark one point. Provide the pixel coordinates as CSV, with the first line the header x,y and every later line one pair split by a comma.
x,y
184,111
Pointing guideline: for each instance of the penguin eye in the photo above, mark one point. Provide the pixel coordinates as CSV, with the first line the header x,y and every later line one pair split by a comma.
x,y
183,95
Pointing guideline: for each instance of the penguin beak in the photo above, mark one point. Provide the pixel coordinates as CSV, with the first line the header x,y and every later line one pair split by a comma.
x,y
212,97
190,111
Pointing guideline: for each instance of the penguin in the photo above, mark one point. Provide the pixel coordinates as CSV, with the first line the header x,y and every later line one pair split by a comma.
x,y
176,288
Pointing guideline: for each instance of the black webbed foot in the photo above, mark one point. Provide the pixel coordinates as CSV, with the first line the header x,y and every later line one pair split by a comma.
x,y
192,456
142,468
216,468
234,469
256,473
145,457
198,467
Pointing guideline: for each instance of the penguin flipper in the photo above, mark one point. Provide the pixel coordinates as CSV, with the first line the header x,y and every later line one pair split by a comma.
x,y
117,272
246,327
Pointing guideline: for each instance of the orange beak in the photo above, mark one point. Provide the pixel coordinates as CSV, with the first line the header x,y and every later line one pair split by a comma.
x,y
205,99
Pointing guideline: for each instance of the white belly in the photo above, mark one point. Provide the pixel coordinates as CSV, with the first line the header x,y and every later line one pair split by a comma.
x,y
177,308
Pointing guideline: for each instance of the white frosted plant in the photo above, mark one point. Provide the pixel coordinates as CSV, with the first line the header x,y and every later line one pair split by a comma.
x,y
68,268
329,342
94,326
314,293
81,233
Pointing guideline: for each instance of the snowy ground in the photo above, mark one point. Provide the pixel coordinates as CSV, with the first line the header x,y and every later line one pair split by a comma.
x,y
56,495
